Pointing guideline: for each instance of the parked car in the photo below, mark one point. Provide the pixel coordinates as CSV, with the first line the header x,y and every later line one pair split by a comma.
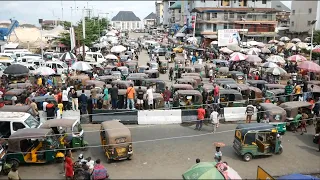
x,y
160,51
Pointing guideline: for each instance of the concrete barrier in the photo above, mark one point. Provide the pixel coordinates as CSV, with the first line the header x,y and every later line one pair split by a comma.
x,y
125,116
189,115
232,114
160,117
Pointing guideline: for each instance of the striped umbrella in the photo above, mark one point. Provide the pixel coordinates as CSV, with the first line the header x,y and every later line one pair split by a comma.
x,y
269,65
277,71
276,59
254,59
68,56
309,66
297,58
253,52
295,40
238,57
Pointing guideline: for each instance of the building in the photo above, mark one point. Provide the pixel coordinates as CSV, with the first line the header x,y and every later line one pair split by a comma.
x,y
50,24
150,20
126,20
167,12
302,14
283,16
159,12
175,11
257,17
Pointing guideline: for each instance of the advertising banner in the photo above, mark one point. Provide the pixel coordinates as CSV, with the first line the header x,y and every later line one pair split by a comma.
x,y
228,37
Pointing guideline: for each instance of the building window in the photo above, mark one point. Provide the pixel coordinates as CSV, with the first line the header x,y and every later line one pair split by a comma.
x,y
128,25
214,27
209,27
249,16
292,23
123,25
309,23
234,1
293,12
225,26
208,16
310,10
265,16
179,10
230,26
264,1
214,15
138,25
231,15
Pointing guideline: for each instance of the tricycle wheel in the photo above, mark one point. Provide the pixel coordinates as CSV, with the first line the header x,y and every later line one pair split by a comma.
x,y
280,151
13,161
109,160
247,157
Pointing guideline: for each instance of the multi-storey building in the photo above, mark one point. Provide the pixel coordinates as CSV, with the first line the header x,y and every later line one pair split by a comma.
x,y
283,16
302,14
255,16
167,12
150,20
159,12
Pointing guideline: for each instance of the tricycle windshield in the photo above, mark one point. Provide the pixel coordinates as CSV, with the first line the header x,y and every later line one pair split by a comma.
x,y
77,128
124,71
32,122
7,97
52,141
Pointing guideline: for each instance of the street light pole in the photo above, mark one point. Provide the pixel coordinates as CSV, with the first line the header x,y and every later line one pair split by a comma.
x,y
312,25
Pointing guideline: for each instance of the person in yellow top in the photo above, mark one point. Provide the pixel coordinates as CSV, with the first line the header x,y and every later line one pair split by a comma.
x,y
39,81
297,91
60,106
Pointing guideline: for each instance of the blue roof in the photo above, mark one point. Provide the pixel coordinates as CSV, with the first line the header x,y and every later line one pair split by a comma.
x,y
297,176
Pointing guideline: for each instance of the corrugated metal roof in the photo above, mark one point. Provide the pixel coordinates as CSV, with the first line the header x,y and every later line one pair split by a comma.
x,y
151,16
125,16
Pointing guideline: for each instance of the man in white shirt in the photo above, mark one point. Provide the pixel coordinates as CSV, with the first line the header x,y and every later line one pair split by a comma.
x,y
150,97
44,105
214,117
211,74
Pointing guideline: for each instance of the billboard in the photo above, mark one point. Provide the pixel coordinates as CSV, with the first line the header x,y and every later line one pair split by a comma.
x,y
228,37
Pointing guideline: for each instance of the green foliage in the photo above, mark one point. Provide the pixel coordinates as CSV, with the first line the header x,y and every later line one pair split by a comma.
x,y
93,25
316,37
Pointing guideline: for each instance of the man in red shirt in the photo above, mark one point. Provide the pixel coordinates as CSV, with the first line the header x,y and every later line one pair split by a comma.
x,y
216,93
166,96
201,113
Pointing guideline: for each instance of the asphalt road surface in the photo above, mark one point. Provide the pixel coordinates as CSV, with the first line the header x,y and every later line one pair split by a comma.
x,y
166,151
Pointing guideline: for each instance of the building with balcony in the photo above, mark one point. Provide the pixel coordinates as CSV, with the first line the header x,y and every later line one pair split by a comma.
x,y
302,14
126,20
159,12
167,12
150,20
260,22
283,16
176,13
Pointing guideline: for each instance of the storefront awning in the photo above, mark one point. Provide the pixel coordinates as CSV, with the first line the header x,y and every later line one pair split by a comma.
x,y
262,35
210,36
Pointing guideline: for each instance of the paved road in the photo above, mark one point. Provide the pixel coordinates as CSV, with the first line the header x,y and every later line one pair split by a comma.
x,y
169,158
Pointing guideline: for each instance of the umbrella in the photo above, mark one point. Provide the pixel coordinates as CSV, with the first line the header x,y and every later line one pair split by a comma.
x,y
110,33
281,44
307,39
68,56
180,35
295,40
111,56
44,71
309,66
208,170
16,70
253,43
276,59
265,50
297,58
234,47
297,176
256,49
81,66
316,50
284,38
261,45
273,41
302,45
289,45
277,71
244,50
237,57
226,50
269,65
253,59
118,49
252,52
214,42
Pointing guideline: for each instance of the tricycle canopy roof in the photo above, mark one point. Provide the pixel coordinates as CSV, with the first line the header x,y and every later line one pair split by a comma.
x,y
229,91
275,86
43,98
65,123
116,129
271,108
79,77
20,85
15,92
294,105
277,91
254,127
236,73
188,92
182,86
12,108
257,81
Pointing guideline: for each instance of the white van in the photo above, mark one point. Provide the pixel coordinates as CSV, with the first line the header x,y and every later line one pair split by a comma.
x,y
59,66
10,122
21,54
98,57
7,62
8,55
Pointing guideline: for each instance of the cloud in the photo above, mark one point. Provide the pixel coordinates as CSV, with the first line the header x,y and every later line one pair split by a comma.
x,y
31,11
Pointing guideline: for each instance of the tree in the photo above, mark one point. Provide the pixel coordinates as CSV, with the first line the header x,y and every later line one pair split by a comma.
x,y
316,37
94,26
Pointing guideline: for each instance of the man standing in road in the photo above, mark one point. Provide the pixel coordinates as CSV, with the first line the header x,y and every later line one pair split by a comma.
x,y
83,99
216,93
114,96
99,171
150,97
249,112
130,97
201,114
211,74
171,74
35,109
140,94
166,97
288,91
105,97
214,117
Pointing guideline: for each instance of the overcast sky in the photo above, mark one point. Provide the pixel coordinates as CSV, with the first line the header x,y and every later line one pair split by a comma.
x,y
31,11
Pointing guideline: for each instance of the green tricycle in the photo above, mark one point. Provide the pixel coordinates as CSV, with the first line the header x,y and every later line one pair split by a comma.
x,y
274,114
256,139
